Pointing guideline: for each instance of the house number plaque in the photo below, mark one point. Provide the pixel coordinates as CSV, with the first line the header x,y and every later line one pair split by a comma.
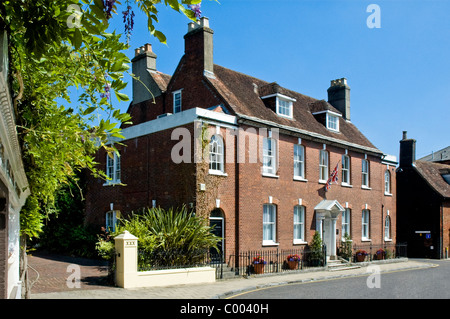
x,y
130,243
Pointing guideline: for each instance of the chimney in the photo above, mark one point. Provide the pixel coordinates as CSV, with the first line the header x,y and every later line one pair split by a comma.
x,y
198,46
339,96
143,63
407,151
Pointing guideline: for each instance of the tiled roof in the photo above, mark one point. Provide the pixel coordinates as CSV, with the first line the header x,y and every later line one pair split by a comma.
x,y
432,173
161,79
243,94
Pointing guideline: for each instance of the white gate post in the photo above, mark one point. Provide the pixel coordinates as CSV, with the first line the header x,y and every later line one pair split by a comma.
x,y
126,259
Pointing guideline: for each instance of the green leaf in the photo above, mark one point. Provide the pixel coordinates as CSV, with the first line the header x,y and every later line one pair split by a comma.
x,y
77,39
89,110
121,96
160,36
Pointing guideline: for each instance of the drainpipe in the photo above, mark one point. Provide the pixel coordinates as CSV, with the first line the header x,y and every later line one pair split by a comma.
x,y
236,196
441,237
382,224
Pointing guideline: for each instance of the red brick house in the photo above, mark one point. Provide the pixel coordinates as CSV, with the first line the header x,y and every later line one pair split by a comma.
x,y
271,153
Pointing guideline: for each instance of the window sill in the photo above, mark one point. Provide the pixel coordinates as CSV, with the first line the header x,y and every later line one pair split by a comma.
x,y
346,185
112,183
322,181
270,175
388,194
366,239
300,179
216,172
269,243
299,242
366,187
285,116
388,239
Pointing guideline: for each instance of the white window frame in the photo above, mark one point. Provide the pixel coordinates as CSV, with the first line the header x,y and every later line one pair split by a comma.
x,y
323,166
113,169
365,173
346,223
332,122
387,228
365,224
269,156
387,182
177,101
346,165
216,155
299,224
269,224
299,162
284,107
111,218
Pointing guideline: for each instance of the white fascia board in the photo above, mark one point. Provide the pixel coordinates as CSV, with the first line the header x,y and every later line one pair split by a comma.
x,y
329,112
389,159
282,96
308,133
175,120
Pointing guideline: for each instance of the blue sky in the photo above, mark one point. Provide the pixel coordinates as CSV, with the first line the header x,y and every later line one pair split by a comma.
x,y
399,74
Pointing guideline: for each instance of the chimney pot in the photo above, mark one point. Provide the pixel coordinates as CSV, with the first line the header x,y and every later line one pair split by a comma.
x,y
204,22
148,47
404,135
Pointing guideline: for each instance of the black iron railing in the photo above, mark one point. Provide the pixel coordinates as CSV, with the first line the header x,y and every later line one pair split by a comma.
x,y
245,263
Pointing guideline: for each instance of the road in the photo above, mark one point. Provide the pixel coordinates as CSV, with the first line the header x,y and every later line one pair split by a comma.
x,y
431,283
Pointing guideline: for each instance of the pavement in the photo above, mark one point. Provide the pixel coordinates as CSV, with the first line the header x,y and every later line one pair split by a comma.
x,y
52,282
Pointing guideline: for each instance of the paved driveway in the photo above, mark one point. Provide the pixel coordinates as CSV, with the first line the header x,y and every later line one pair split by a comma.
x,y
55,270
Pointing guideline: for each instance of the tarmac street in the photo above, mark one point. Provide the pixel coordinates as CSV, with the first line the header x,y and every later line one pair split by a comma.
x,y
92,287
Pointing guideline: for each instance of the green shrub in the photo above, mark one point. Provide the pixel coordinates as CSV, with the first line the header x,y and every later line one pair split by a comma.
x,y
165,237
315,250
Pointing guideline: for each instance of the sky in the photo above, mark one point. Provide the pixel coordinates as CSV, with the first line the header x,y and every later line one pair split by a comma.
x,y
398,71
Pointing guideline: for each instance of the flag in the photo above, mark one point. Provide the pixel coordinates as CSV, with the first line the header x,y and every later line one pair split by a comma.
x,y
333,177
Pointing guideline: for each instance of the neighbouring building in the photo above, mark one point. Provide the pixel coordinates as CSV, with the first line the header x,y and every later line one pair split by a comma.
x,y
442,156
423,203
13,185
270,153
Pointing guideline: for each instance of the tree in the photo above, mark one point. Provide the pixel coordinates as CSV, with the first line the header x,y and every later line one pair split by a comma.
x,y
54,46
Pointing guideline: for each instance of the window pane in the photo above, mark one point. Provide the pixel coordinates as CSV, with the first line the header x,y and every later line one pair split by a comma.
x,y
323,163
299,222
269,216
216,153
269,155
299,165
387,182
365,223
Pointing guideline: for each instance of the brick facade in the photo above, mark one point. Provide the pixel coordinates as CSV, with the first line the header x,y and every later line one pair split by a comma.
x,y
229,104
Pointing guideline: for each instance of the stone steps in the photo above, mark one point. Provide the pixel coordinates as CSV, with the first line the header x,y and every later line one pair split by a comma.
x,y
337,265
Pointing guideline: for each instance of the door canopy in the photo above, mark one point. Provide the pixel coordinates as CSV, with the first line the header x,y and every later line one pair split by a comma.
x,y
329,208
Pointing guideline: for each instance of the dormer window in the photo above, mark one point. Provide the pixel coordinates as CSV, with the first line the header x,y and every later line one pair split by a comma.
x,y
284,107
326,114
332,122
280,103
